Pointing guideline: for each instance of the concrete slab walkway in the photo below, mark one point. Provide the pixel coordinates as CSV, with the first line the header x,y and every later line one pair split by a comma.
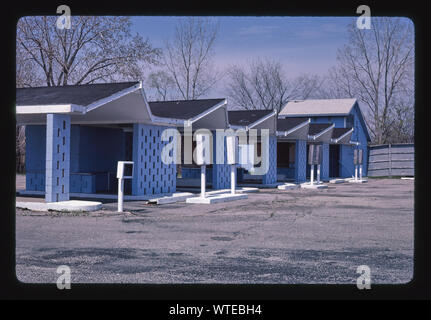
x,y
70,205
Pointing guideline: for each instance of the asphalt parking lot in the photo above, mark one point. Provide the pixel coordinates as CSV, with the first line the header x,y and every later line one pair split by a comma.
x,y
298,236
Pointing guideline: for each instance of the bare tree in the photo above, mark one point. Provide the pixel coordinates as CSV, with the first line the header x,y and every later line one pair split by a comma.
x,y
20,148
376,66
26,70
94,49
188,57
264,85
162,86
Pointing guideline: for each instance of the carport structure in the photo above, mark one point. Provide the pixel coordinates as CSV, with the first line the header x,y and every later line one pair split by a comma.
x,y
340,137
320,133
210,114
258,120
76,134
337,147
292,135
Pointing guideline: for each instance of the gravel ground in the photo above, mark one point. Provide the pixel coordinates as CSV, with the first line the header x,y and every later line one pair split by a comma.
x,y
298,236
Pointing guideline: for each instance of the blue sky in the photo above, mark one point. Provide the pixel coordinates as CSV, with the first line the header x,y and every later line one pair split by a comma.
x,y
302,44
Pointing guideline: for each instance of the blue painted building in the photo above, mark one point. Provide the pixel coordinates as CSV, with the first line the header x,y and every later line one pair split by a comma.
x,y
75,135
265,159
348,132
199,114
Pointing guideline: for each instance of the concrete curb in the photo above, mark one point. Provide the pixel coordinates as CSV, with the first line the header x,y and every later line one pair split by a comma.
x,y
71,205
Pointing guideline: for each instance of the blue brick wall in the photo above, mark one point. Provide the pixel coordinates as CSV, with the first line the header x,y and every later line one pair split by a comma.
x,y
151,176
93,150
99,149
271,176
57,158
300,161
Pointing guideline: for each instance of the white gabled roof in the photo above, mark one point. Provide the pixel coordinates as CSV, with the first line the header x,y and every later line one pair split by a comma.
x,y
317,107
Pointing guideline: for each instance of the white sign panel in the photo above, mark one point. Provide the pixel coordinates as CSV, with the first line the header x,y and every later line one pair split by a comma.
x,y
125,170
231,146
246,156
203,154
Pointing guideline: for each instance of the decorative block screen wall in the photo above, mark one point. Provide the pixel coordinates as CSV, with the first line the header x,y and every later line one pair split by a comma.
x,y
57,157
271,176
324,174
221,172
151,175
300,161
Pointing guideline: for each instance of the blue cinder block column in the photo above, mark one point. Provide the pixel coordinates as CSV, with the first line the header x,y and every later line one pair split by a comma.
x,y
324,173
57,170
220,172
271,176
151,176
300,161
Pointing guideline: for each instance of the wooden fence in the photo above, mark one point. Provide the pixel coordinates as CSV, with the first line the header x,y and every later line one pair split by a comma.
x,y
391,160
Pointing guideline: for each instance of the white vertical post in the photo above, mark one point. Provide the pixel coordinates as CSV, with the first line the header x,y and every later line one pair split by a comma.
x,y
318,173
360,172
121,176
203,180
232,178
312,174
356,172
120,194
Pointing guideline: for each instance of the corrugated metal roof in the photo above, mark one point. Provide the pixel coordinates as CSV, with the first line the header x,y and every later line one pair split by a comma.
x,y
182,109
246,117
318,107
82,95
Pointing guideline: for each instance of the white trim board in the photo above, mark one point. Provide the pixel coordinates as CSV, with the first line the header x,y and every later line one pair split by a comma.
x,y
54,108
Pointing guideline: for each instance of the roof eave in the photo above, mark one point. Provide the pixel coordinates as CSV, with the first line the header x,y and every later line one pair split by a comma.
x,y
58,108
290,131
98,103
257,122
343,136
207,112
316,136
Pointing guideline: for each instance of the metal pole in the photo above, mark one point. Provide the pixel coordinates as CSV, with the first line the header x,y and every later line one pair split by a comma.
x,y
318,173
203,180
356,172
120,194
232,178
360,172
312,174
